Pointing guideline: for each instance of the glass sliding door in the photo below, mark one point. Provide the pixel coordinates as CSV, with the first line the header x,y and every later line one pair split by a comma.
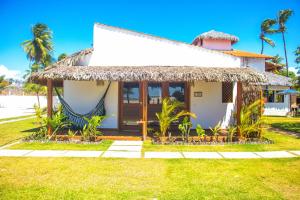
x,y
154,100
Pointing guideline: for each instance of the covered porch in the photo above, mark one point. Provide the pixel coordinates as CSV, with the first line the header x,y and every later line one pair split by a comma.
x,y
136,92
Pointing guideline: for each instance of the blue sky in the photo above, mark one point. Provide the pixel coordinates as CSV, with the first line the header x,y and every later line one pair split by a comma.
x,y
72,23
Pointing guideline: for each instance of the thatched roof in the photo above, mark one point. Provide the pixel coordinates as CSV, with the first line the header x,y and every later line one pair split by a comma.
x,y
149,73
218,35
73,58
277,80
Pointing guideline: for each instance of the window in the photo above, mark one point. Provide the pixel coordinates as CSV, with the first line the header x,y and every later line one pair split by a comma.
x,y
131,93
271,96
176,91
227,92
154,93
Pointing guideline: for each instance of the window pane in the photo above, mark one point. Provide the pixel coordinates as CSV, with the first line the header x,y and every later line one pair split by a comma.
x,y
227,92
271,95
279,98
131,93
154,93
176,91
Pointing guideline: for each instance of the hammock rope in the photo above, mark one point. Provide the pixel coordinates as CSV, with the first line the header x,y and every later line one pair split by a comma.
x,y
78,119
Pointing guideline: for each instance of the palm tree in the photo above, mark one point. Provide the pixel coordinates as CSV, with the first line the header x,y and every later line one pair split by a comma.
x,y
3,83
277,59
297,60
40,47
266,28
283,17
62,56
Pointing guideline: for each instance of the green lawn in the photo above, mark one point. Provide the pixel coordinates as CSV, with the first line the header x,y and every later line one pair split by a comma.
x,y
61,146
11,118
284,123
99,178
15,130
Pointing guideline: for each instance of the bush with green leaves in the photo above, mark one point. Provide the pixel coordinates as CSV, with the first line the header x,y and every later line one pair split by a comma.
x,y
231,131
170,114
90,130
216,129
185,128
200,131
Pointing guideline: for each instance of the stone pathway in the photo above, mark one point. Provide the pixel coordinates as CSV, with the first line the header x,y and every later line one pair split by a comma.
x,y
124,149
133,149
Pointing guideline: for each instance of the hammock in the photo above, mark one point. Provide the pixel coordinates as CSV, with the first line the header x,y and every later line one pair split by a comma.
x,y
78,119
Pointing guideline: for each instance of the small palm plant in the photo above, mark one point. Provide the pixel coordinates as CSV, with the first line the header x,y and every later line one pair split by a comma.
x,y
251,121
57,122
185,128
200,131
216,130
231,131
89,130
169,114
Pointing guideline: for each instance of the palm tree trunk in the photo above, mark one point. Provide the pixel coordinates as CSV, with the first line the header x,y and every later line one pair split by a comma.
x,y
286,60
262,46
38,99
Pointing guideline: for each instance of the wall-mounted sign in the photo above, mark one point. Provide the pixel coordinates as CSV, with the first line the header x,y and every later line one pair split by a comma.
x,y
197,94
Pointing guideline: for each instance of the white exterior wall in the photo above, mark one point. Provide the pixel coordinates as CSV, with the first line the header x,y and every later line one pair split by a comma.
x,y
256,63
209,108
119,47
83,96
277,109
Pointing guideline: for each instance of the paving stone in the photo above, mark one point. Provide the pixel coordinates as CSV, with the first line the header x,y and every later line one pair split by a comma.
x,y
295,152
275,154
124,148
163,155
209,155
46,153
14,153
127,143
83,153
239,155
122,154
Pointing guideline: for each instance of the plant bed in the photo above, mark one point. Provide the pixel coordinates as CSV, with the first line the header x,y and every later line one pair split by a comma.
x,y
209,140
64,141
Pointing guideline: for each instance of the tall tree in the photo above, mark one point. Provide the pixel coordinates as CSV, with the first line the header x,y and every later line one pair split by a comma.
x,y
283,17
3,83
297,60
266,28
62,56
39,48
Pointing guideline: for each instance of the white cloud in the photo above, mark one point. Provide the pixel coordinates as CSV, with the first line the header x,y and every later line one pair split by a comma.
x,y
15,74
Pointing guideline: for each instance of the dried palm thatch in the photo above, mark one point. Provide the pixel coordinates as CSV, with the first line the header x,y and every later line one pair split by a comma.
x,y
149,73
218,35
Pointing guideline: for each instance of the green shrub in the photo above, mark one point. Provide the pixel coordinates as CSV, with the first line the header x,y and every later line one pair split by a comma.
x,y
90,129
185,128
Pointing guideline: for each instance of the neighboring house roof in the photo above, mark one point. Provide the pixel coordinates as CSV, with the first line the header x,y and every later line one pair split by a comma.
x,y
270,66
276,80
212,34
246,54
149,73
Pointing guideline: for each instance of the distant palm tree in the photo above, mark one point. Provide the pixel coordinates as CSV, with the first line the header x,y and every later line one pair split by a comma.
x,y
297,60
40,47
283,17
62,56
277,59
3,83
266,28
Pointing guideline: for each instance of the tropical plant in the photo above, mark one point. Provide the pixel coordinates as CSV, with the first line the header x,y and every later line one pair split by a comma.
x,y
231,131
40,46
57,122
282,18
170,114
185,128
216,129
3,83
36,89
39,115
251,120
62,56
89,130
71,133
200,131
266,28
297,60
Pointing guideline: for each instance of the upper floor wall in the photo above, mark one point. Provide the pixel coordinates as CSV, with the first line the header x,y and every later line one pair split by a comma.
x,y
119,47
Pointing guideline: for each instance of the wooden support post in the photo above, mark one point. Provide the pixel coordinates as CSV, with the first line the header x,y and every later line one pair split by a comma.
x,y
49,101
145,109
239,103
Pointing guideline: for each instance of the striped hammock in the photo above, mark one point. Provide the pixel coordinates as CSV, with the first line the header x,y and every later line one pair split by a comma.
x,y
78,119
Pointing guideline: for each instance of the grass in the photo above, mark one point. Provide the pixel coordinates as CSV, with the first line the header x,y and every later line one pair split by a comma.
x,y
12,118
16,130
94,178
284,123
61,146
